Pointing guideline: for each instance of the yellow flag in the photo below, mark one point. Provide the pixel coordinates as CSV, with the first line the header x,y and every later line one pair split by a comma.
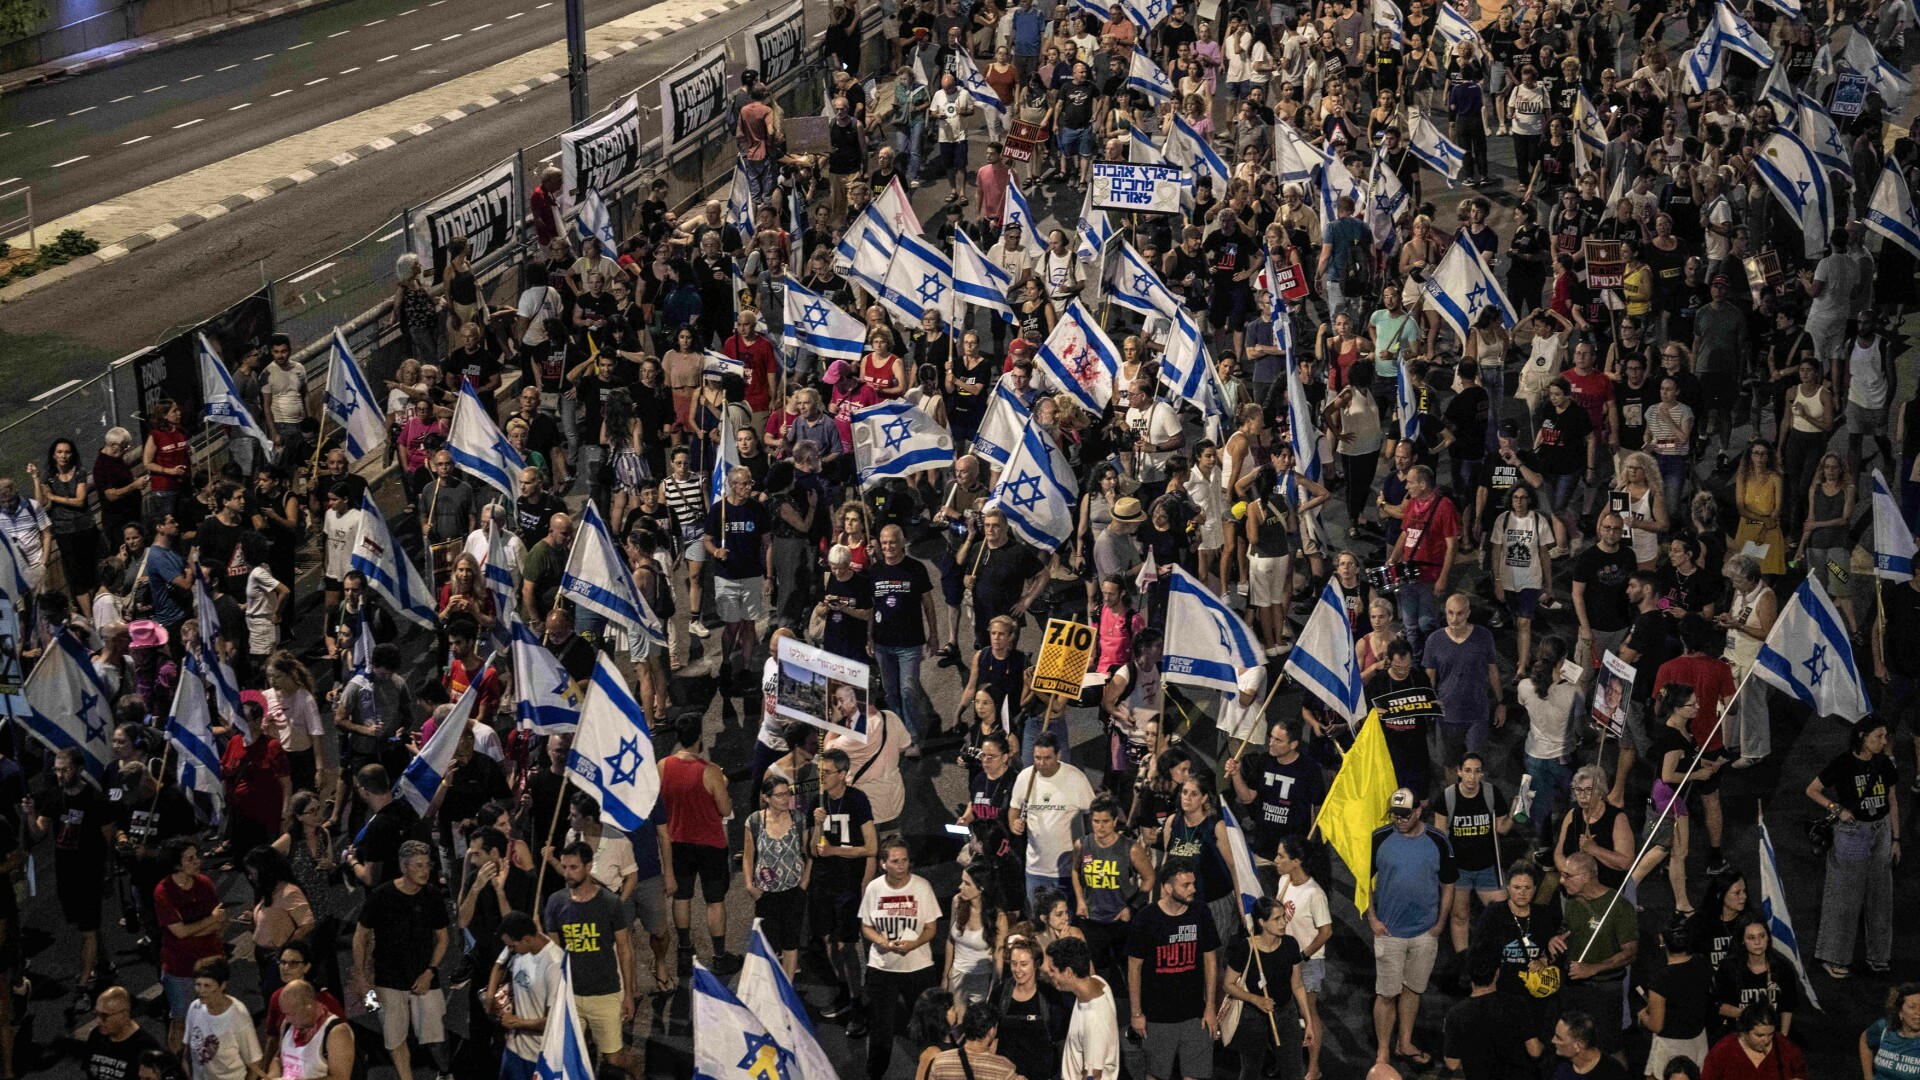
x,y
1357,804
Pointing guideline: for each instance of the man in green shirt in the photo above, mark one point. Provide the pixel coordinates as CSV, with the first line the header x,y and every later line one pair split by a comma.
x,y
540,573
1600,943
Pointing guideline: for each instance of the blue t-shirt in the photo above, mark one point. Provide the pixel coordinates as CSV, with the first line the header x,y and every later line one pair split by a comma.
x,y
1460,675
1407,874
1344,234
163,567
1028,28
745,530
1895,1056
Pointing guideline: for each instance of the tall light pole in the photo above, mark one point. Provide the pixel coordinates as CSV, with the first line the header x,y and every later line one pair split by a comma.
x,y
577,60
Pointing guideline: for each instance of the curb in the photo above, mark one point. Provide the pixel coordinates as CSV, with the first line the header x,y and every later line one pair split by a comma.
x,y
121,248
134,48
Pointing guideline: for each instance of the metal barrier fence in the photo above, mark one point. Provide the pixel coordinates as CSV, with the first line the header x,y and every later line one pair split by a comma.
x,y
352,288
78,36
16,216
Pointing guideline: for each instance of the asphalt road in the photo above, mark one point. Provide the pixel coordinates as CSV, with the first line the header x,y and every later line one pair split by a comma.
x,y
84,140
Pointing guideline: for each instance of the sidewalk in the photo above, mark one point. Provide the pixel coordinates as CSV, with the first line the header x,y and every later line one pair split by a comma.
x,y
122,51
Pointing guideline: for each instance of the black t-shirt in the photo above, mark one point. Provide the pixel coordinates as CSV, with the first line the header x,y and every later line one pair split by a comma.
x,y
1481,1034
1687,990
1270,975
1466,416
1170,947
1499,479
378,844
589,931
1693,592
1002,577
1738,985
1634,403
403,931
1470,826
897,612
1900,620
1406,706
110,1060
1516,941
77,817
1562,443
1284,797
1861,787
1227,255
221,554
846,817
1076,104
1665,740
990,797
1605,577
1655,639
534,513
1716,938
846,634
740,530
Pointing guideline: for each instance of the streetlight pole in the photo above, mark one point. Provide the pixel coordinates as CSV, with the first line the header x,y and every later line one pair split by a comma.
x,y
577,60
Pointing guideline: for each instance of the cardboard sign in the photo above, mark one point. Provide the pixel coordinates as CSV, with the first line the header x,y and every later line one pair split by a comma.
x,y
1291,280
1024,139
1136,189
1606,264
1065,652
1849,94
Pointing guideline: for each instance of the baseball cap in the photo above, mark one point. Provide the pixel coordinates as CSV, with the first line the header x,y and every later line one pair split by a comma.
x,y
1402,803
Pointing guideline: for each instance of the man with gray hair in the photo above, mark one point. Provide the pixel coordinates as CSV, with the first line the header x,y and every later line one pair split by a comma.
x,y
397,950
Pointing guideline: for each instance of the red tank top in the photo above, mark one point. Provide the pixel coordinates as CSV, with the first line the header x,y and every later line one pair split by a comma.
x,y
690,810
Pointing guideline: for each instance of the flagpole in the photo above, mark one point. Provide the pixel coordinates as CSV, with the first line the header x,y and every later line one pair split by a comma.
x,y
1262,714
546,841
160,782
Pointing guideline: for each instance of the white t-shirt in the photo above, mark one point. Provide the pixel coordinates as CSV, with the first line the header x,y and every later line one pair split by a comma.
x,y
887,739
1527,108
950,112
1718,212
1158,422
1837,276
1521,539
515,554
1093,1038
220,1047
534,978
341,531
537,305
771,725
612,855
1867,376
900,914
1307,911
1052,806
1238,721
1244,53
262,633
285,391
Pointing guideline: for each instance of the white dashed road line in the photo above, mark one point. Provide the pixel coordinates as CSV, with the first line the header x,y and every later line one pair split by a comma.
x,y
142,138
88,109
44,395
377,239
409,11
263,56
384,59
229,67
151,89
350,70
189,123
342,33
417,48
449,37
42,123
319,80
240,106
302,45
516,14
190,78
310,273
479,28
375,22
121,98
282,93
71,160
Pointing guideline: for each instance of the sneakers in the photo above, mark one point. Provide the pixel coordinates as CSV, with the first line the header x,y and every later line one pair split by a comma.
x,y
950,656
857,1026
698,629
1717,864
839,1008
725,964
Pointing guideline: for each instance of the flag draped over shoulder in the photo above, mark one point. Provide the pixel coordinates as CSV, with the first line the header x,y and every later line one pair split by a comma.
x,y
1356,805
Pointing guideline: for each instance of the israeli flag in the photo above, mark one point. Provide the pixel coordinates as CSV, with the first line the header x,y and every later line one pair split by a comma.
x,y
1738,36
866,248
1891,213
1208,643
1789,8
1037,492
1132,283
612,757
816,324
1336,181
896,210
190,732
729,1041
1773,912
596,224
1245,881
1452,27
1001,427
1145,76
1387,17
1407,397
389,572
1323,659
1094,229
563,1044
70,705
352,404
479,448
1187,368
1893,86
421,780
977,280
1149,14
1791,168
1294,158
207,662
1386,199
1779,93
894,440
219,397
1808,654
918,279
766,992
974,83
1141,151
497,572
1188,150
1079,358
544,698
738,209
17,575
1704,68
1893,545
1464,286
726,460
1302,433
1588,128
598,578
1817,129
1440,153
1017,211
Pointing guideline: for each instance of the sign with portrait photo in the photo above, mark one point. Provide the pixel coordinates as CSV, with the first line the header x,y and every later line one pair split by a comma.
x,y
823,689
1612,695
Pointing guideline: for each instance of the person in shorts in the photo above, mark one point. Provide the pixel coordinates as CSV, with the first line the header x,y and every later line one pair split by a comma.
x,y
591,923
397,950
736,542
1171,976
1413,887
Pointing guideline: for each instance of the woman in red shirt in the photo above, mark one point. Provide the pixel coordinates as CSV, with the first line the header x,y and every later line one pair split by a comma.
x,y
881,369
166,454
1755,1051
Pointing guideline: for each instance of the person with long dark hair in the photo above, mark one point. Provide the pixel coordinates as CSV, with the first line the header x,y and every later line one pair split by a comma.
x,y
976,933
1263,973
1861,792
281,913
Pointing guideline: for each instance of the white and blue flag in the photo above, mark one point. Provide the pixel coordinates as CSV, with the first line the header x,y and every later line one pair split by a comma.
x,y
977,280
389,572
1094,228
1739,37
919,278
421,779
1302,433
1018,212
1187,368
818,325
1893,545
190,731
975,84
352,404
479,447
737,211
1779,92
612,757
1140,149
544,698
497,567
1407,397
70,706
726,459
1386,198
1294,158
1808,654
219,397
766,992
1773,912
1892,213
598,578
1728,32
1798,179
1000,428
207,662
1893,86
1438,152
1789,8
1323,659
1145,76
596,224
1132,283
1208,643
1816,128
1037,491
563,1044
1464,286
17,575
1453,28
1336,182
895,440
1589,129
729,1041
1188,150
1078,358
1148,13
1245,881
1387,17
866,248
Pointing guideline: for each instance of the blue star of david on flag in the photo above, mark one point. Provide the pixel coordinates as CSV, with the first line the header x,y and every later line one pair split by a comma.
x,y
1025,492
629,748
1816,665
1476,296
816,315
96,730
754,1062
930,289
897,432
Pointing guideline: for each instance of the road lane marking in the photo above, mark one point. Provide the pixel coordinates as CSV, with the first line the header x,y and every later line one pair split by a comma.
x,y
44,395
190,78
189,123
302,45
549,157
389,236
384,59
15,179
342,33
310,273
142,138
229,67
240,106
42,123
319,80
479,28
282,93
151,89
88,109
121,98
71,160
449,37
351,70
375,22
263,56
409,11
516,14
417,48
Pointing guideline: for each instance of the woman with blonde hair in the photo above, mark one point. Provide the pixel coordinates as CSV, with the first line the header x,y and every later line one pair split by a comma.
x,y
416,311
292,715
465,590
1637,480
405,385
1758,496
1751,611
1823,538
1371,650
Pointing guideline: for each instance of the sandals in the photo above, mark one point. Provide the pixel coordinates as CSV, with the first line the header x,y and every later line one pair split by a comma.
x,y
1835,971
